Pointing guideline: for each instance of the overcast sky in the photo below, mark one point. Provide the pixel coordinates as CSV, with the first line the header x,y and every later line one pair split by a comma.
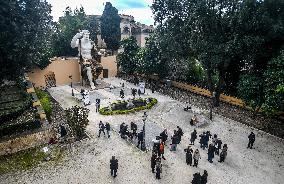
x,y
140,9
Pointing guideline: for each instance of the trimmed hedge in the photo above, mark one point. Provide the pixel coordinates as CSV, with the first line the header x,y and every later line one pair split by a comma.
x,y
9,130
142,102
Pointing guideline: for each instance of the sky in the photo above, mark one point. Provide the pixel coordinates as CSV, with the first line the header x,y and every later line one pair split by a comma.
x,y
140,9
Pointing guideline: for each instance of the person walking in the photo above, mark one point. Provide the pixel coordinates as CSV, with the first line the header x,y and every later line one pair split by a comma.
x,y
210,153
206,139
164,136
158,168
223,153
196,178
133,90
108,129
204,177
251,140
113,166
196,157
193,137
139,92
153,162
102,128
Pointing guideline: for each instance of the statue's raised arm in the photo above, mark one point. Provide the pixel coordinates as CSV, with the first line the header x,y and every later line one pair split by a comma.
x,y
86,44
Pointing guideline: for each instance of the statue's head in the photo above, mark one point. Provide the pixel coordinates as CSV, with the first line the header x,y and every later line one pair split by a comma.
x,y
86,34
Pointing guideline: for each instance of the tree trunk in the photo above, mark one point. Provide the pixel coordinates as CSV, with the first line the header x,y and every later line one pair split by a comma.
x,y
218,89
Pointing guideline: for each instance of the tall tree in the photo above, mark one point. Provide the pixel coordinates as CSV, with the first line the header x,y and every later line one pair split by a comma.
x,y
110,27
66,28
127,60
25,39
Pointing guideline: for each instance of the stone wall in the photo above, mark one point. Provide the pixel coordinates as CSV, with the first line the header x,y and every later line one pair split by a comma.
x,y
25,141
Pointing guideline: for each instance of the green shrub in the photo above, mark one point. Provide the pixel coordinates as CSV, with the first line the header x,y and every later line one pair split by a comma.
x,y
45,101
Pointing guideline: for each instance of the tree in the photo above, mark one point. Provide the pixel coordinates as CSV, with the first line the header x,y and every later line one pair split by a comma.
x,y
250,89
77,119
127,59
222,34
66,28
25,39
110,27
274,85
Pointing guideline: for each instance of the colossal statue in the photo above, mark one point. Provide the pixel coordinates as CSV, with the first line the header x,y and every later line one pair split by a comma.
x,y
90,68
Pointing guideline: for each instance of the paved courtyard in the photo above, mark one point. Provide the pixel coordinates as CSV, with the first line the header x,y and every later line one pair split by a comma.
x,y
89,160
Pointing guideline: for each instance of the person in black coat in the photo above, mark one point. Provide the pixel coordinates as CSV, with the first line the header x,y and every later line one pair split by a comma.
x,y
113,166
140,139
133,127
207,137
204,177
188,155
174,141
102,128
108,129
202,140
179,134
218,146
196,178
251,140
193,137
210,153
164,136
153,162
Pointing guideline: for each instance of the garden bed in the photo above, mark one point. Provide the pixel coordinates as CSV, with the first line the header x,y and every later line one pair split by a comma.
x,y
129,106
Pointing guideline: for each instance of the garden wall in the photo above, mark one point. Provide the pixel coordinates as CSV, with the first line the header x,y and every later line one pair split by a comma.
x,y
24,142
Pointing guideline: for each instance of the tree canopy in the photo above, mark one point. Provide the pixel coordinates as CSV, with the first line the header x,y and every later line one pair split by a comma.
x,y
110,27
25,39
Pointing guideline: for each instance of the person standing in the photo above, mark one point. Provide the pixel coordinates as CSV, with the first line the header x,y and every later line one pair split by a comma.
x,y
223,153
174,141
158,168
210,153
133,92
193,137
188,155
113,166
108,129
140,139
204,177
98,104
164,136
139,92
162,150
218,146
251,140
179,134
202,140
196,178
121,93
102,128
196,157
153,162
133,127
206,139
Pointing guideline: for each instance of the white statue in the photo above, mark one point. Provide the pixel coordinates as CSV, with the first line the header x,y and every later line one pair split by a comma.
x,y
84,49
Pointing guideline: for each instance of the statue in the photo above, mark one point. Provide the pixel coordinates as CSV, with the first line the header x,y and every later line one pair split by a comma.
x,y
90,68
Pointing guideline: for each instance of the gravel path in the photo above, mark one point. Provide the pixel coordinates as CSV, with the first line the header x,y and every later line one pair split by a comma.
x,y
89,160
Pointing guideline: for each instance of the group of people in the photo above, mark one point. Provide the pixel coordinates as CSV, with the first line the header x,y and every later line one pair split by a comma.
x,y
124,133
176,138
103,127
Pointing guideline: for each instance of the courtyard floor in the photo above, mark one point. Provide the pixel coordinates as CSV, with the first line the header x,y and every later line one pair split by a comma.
x,y
88,160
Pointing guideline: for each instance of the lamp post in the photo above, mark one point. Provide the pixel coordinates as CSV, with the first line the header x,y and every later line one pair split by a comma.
x,y
144,117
